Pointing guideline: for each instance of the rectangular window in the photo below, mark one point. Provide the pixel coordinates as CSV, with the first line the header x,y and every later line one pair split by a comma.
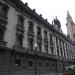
x,y
30,63
38,30
46,47
45,34
30,43
20,20
57,46
39,44
51,43
19,41
30,26
4,10
47,64
53,64
50,37
1,34
39,64
61,47
64,49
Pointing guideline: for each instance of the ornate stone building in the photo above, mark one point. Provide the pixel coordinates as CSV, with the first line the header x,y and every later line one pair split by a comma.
x,y
29,44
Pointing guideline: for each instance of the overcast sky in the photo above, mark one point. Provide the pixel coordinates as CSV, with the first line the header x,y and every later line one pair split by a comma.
x,y
51,8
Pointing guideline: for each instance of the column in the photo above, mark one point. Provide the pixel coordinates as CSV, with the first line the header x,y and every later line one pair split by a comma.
x,y
55,47
59,48
35,34
49,52
25,39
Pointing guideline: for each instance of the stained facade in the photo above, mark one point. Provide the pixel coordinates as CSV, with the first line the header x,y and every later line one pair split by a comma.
x,y
20,28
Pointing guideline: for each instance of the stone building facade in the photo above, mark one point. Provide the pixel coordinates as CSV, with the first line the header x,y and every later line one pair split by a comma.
x,y
20,29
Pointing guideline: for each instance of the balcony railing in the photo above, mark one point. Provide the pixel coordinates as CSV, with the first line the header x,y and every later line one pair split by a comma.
x,y
19,49
3,44
2,17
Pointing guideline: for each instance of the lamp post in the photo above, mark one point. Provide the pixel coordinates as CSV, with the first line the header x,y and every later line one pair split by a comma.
x,y
35,68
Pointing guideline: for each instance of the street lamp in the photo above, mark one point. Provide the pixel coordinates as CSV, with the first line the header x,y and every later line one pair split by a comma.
x,y
35,69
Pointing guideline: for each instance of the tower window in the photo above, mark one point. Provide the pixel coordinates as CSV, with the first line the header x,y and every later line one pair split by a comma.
x,y
74,35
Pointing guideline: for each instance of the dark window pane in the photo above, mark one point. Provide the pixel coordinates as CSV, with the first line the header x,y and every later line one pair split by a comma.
x,y
45,34
30,44
40,64
19,41
38,30
53,65
4,11
30,26
30,63
20,20
47,64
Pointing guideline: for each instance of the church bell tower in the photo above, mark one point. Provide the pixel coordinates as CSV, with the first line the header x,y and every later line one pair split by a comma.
x,y
70,27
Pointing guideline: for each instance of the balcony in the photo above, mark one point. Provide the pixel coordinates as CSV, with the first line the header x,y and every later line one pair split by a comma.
x,y
19,49
20,27
3,44
3,18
